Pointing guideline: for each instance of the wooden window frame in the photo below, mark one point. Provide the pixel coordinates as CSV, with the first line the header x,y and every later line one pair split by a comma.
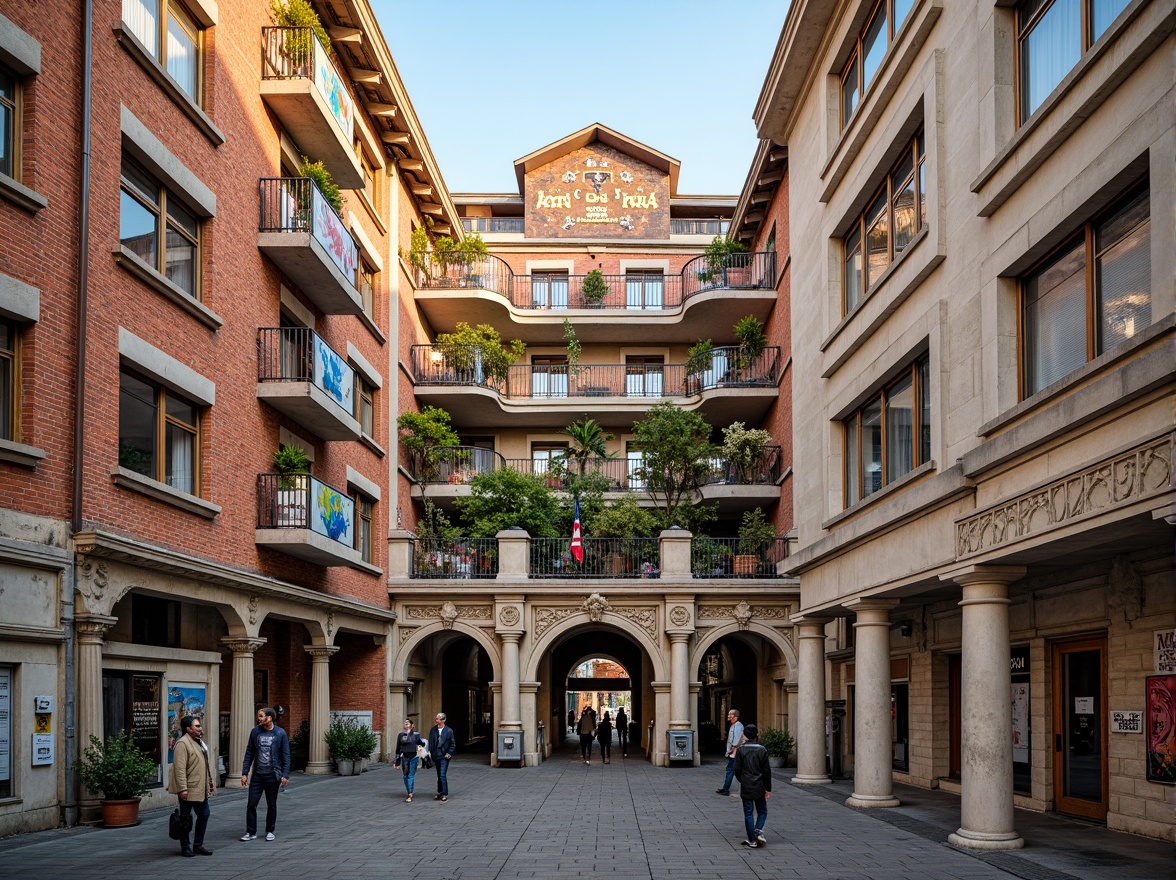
x,y
167,10
365,514
15,106
853,423
917,152
365,393
856,55
1093,319
162,420
163,225
369,275
13,357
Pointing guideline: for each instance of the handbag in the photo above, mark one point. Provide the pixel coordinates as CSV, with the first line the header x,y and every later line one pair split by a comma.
x,y
177,825
426,758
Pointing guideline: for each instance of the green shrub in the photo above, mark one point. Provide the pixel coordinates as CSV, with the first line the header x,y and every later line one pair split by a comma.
x,y
594,287
116,769
299,13
779,743
318,172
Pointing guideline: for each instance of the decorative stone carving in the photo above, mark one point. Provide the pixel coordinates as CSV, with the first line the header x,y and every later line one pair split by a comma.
x,y
596,605
774,613
448,615
254,604
545,618
330,623
646,618
91,628
242,645
93,582
679,616
509,615
742,613
406,633
1125,478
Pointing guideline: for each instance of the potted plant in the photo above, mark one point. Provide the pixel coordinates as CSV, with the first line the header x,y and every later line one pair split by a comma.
x,y
471,251
743,449
755,533
340,736
720,268
779,744
318,174
699,360
119,772
296,43
292,465
478,354
749,331
594,289
623,519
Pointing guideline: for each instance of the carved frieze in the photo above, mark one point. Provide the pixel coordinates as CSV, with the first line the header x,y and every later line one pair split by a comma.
x,y
546,618
743,613
596,605
646,618
448,613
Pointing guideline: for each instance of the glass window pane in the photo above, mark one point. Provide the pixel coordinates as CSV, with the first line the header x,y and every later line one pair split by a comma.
x,y
136,425
922,196
180,459
182,217
872,448
1123,272
183,55
852,464
877,240
179,409
905,222
7,137
900,429
181,261
1105,12
849,92
1049,52
902,8
873,46
7,397
925,416
7,86
1055,318
136,229
140,182
142,17
853,271
366,418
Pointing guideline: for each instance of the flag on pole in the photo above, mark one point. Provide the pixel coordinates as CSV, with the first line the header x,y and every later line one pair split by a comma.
x,y
577,542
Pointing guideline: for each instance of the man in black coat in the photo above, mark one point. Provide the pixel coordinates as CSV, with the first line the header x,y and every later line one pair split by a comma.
x,y
755,785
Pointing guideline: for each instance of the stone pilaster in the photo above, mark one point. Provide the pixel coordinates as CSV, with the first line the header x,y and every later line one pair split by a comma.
x,y
514,554
320,706
810,703
91,634
674,552
873,777
242,710
511,717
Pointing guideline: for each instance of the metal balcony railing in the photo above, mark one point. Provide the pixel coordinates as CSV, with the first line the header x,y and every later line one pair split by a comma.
x,y
603,558
297,53
299,501
463,558
295,204
764,471
736,557
542,291
699,227
726,366
453,464
298,354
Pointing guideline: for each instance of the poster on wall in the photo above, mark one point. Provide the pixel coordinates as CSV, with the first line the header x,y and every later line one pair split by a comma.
x,y
1020,694
5,724
1161,729
182,699
1165,649
145,717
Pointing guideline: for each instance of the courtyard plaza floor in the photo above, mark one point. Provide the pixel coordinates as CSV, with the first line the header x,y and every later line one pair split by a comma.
x,y
566,819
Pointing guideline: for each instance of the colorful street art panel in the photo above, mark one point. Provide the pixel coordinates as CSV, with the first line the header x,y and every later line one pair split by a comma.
x,y
334,237
1161,729
332,514
332,90
334,376
182,699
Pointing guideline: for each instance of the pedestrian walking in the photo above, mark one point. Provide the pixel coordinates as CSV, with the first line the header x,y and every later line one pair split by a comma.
x,y
587,730
735,738
604,734
191,780
755,785
623,730
407,742
442,745
571,720
266,766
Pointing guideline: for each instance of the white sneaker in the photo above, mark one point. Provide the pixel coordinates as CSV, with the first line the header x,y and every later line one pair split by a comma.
x,y
248,836
269,835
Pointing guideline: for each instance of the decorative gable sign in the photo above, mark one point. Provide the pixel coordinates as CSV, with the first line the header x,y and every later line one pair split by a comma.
x,y
597,192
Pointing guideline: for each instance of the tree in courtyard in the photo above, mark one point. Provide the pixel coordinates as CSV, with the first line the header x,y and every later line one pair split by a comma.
x,y
504,498
675,446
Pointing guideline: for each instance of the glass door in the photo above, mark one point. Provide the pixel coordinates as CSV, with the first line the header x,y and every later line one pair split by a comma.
x,y
1080,735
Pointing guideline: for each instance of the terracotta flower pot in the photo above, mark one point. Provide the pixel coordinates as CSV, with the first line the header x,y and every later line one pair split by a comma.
x,y
744,564
120,813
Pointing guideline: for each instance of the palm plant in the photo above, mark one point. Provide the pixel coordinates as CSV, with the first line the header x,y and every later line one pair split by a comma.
x,y
589,440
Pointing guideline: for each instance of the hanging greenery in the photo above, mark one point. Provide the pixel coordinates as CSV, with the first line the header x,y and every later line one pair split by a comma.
x,y
318,172
299,13
574,348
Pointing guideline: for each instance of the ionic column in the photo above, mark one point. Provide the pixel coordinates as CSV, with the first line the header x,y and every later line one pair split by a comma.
x,y
91,632
511,717
679,681
810,702
986,745
873,747
320,706
242,711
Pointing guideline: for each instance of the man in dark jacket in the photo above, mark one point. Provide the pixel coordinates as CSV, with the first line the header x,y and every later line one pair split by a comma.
x,y
442,745
268,754
755,785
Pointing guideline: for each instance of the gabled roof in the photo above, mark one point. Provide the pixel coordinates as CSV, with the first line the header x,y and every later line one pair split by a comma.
x,y
597,133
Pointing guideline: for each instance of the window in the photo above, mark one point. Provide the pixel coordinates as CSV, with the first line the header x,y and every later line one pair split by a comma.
x,y
634,462
886,228
366,394
170,35
9,125
158,433
549,290
1090,294
371,180
543,454
549,376
644,288
884,22
890,435
1051,36
148,215
9,380
643,375
6,783
770,243
367,287
363,535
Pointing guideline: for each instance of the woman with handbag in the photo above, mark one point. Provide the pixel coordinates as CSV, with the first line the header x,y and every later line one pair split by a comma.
x,y
408,744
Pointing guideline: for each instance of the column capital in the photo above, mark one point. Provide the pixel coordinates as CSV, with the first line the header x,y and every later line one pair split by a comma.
x,y
985,574
399,687
91,628
678,637
321,653
811,621
242,644
509,637
871,612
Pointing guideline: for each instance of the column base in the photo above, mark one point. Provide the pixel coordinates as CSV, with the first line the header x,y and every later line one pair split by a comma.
x,y
870,801
320,768
811,780
981,840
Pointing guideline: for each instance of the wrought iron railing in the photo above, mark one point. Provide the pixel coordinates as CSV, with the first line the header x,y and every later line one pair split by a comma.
x,y
726,366
299,501
298,354
295,204
453,464
736,557
463,558
766,470
297,53
603,558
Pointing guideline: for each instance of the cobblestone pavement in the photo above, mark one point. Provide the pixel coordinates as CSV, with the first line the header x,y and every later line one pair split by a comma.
x,y
567,820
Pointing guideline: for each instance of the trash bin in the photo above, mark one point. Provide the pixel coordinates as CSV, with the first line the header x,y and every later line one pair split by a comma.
x,y
680,745
510,745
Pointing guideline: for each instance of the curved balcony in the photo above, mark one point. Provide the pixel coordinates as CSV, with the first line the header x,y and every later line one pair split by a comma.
x,y
687,305
300,84
305,518
300,375
725,388
307,240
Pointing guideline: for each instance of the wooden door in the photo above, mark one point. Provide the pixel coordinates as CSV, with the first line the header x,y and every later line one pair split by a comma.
x,y
1080,727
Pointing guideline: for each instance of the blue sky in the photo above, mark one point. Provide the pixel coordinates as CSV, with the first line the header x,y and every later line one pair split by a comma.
x,y
494,81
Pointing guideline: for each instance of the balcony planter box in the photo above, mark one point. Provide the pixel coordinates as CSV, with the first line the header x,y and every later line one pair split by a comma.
x,y
744,564
618,563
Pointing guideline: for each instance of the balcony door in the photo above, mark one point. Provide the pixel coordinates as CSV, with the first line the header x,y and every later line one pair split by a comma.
x,y
1080,728
549,376
295,348
644,289
634,459
643,375
549,290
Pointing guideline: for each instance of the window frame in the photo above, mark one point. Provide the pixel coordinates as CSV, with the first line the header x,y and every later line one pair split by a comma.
x,y
13,392
15,106
162,421
1087,233
365,395
365,519
191,25
367,275
916,151
918,371
856,57
164,224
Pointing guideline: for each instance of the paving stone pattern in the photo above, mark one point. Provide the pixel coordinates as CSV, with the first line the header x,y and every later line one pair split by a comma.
x,y
565,820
